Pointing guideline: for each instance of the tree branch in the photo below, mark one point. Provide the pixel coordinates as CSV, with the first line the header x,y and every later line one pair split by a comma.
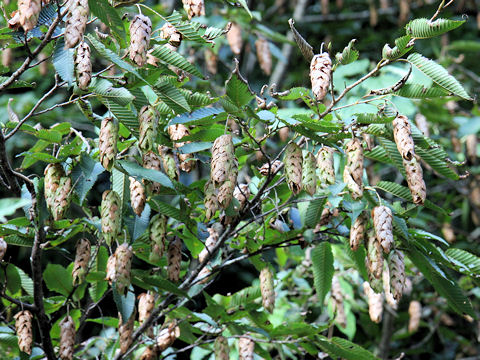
x,y
8,174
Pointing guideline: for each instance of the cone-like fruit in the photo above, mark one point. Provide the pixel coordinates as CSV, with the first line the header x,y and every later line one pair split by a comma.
x,y
168,335
320,74
374,259
309,173
174,259
209,244
337,297
170,33
293,161
369,142
396,267
382,222
148,128
67,338
157,230
242,193
151,161
194,8
471,147
146,303
325,166
264,55
357,232
375,303
23,328
110,271
265,169
178,132
28,11
353,172
138,197
7,57
82,257
123,264
107,143
222,351
125,331
62,198
403,137
387,289
210,200
83,66
266,288
111,216
422,124
3,248
140,31
415,312
448,233
415,181
246,347
168,162
53,174
234,38
76,22
224,169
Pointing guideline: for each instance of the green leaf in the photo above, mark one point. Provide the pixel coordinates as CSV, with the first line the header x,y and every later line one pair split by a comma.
x,y
171,96
431,157
392,152
464,46
348,55
139,172
400,49
314,212
464,262
18,241
98,288
438,74
166,209
27,283
379,154
342,348
14,282
124,115
85,174
125,303
368,118
444,286
63,61
120,186
418,91
110,17
237,89
16,84
8,206
202,116
156,281
58,279
424,28
105,89
322,261
245,6
171,57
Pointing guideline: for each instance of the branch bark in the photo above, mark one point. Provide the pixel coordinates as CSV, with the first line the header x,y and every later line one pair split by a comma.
x,y
8,174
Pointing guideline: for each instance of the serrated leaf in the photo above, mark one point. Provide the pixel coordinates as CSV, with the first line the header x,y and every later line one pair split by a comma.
x,y
295,93
27,283
120,186
348,55
368,118
109,16
16,84
322,263
171,96
58,279
18,240
125,303
123,114
424,28
171,57
237,88
433,158
401,48
438,74
418,91
379,154
342,348
166,209
63,61
464,262
98,288
314,212
139,172
157,282
202,116
85,174
106,90
392,152
444,286
8,206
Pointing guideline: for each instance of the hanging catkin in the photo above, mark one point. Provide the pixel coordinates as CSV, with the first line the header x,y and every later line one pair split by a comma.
x,y
67,338
168,335
178,132
396,267
374,258
246,347
174,259
53,173
222,351
82,257
125,331
123,264
146,303
264,55
83,66
415,312
357,232
151,161
390,300
140,31
224,169
210,200
234,38
194,8
271,168
375,303
266,287
242,193
138,197
170,33
148,128
325,166
293,162
111,217
28,11
309,173
382,222
320,74
107,142
62,198
3,248
23,328
76,22
422,124
157,230
353,172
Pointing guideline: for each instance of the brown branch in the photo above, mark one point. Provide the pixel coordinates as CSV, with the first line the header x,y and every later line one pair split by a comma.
x,y
9,177
22,305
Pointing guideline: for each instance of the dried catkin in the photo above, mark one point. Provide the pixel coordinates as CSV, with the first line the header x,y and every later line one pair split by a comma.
x,y
28,11
210,243
76,22
110,270
176,133
396,267
83,66
224,169
168,162
357,232
53,173
325,166
415,181
293,162
272,168
264,55
386,288
111,217
23,328
422,124
146,303
82,257
415,312
194,8
320,74
140,31
125,331
471,143
170,33
138,197
234,38
157,230
375,303
403,137
309,173
210,200
151,161
222,351
148,128
382,222
246,347
174,259
67,338
374,259
353,172
242,193
61,200
168,335
123,264
337,297
150,353
107,143
266,288
211,61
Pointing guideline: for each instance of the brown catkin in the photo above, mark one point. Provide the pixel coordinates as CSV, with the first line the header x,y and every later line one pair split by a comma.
x,y
82,257
138,197
246,347
211,61
415,181
448,233
194,8
210,243
353,172
146,303
174,259
222,351
123,264
415,312
234,38
7,57
107,142
357,232
168,335
170,33
111,217
264,55
151,161
176,133
125,331
224,169
168,162
148,128
382,222
403,137
210,200
23,328
396,267
320,74
157,230
325,166
110,270
374,258
67,338
266,288
267,168
83,66
28,11
53,173
140,31
3,248
422,124
375,303
390,300
242,193
293,162
150,353
76,22
337,297
471,143
62,198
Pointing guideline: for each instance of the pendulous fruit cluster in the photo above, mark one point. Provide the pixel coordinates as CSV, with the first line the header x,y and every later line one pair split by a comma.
x,y
168,335
194,8
357,232
337,297
353,172
224,169
309,173
415,312
111,217
246,347
140,31
58,188
320,75
264,55
125,331
293,162
82,257
138,197
148,128
174,259
28,11
123,264
234,38
266,288
170,33
76,22
222,351
151,161
83,66
23,328
325,166
382,222
375,303
67,338
157,230
107,142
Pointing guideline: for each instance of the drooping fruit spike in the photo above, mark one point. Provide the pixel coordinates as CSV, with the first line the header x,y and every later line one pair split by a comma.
x,y
76,22
123,264
111,220
67,338
266,287
320,74
309,173
325,166
83,66
382,222
353,172
82,258
107,143
140,31
23,328
293,162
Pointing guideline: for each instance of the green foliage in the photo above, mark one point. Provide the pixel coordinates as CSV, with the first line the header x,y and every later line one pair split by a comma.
x,y
322,261
424,28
